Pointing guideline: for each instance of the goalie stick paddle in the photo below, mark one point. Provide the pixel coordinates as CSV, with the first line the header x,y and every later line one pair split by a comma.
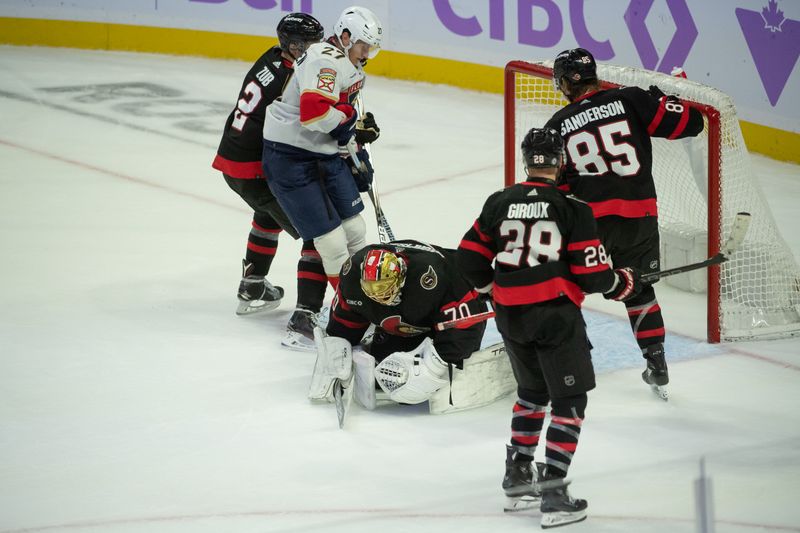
x,y
465,322
738,232
338,398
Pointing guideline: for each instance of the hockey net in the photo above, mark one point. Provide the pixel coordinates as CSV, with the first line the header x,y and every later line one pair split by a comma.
x,y
702,183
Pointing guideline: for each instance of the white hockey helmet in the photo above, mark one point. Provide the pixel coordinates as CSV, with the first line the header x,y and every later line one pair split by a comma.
x,y
363,25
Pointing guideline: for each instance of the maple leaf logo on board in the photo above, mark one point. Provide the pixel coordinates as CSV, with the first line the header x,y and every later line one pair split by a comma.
x,y
774,43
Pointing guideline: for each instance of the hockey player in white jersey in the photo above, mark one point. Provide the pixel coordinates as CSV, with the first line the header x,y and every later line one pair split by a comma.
x,y
306,137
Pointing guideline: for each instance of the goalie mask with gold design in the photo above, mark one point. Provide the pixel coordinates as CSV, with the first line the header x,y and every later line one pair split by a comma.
x,y
383,274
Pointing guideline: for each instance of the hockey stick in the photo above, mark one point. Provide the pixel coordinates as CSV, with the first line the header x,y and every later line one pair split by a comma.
x,y
341,409
464,322
385,233
738,232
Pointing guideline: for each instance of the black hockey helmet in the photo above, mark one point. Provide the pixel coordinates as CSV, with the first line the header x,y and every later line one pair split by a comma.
x,y
577,66
299,29
542,148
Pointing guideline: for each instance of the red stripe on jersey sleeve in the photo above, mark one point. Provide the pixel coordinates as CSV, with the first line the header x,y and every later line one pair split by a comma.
x,y
314,106
659,115
471,295
477,248
579,270
681,123
481,235
538,292
582,245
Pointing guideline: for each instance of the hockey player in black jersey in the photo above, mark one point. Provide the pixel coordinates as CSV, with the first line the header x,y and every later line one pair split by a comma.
x,y
239,160
609,159
404,288
546,255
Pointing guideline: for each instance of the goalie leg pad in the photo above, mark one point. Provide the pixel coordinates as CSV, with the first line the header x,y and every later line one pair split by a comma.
x,y
364,369
334,361
412,377
485,378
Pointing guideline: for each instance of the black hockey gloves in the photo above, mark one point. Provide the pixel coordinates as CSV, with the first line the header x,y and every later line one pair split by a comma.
x,y
346,129
628,285
367,130
362,176
657,93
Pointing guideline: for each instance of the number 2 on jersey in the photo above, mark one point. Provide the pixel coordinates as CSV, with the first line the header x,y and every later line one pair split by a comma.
x,y
534,243
246,105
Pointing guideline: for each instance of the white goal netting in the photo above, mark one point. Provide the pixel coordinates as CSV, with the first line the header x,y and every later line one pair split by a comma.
x,y
702,183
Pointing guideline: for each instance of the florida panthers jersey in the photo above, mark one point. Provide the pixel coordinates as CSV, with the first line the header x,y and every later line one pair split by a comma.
x,y
434,291
609,155
239,153
305,114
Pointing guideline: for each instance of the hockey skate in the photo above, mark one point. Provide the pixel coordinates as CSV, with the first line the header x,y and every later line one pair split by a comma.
x,y
520,482
300,331
558,507
656,374
256,294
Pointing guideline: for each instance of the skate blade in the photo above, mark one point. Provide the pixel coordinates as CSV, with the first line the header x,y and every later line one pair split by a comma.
x,y
562,518
515,504
298,342
661,392
256,306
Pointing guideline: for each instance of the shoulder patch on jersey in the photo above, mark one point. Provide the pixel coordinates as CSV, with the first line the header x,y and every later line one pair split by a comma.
x,y
429,279
326,79
347,266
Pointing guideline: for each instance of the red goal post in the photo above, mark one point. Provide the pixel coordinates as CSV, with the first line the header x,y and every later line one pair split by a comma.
x,y
701,184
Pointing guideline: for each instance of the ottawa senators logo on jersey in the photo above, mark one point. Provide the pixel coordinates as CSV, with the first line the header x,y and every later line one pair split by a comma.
x,y
346,267
429,279
394,325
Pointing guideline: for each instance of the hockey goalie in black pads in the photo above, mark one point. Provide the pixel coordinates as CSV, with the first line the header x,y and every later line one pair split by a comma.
x,y
403,288
546,254
609,159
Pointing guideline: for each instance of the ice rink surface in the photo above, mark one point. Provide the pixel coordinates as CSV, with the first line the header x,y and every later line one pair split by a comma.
x,y
132,399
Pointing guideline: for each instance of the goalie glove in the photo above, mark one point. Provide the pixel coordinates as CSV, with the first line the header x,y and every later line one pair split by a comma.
x,y
367,130
412,377
628,285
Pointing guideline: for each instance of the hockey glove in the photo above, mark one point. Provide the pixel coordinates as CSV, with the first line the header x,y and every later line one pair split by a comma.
x,y
362,176
346,129
367,130
658,94
628,285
